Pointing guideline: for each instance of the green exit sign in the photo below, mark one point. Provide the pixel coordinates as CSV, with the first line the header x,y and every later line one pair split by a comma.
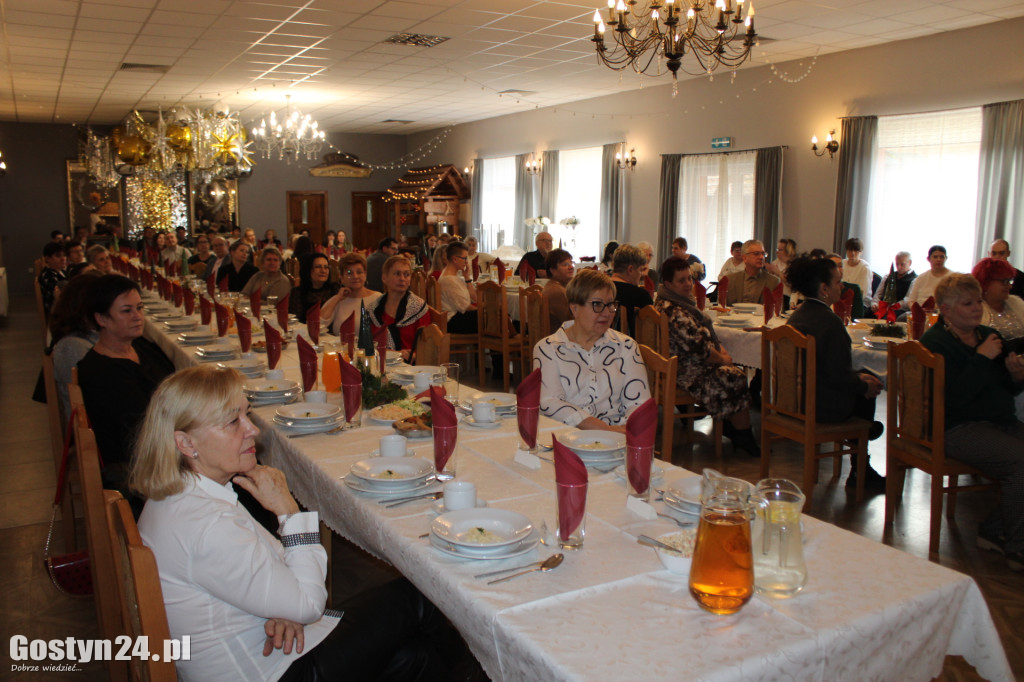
x,y
721,142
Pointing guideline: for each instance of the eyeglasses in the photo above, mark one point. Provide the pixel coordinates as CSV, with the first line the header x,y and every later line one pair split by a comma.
x,y
755,253
1007,282
599,306
459,257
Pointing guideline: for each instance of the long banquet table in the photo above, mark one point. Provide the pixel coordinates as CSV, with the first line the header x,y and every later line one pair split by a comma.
x,y
611,611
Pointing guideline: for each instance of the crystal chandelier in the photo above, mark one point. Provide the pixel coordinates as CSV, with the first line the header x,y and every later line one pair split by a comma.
x,y
644,30
291,137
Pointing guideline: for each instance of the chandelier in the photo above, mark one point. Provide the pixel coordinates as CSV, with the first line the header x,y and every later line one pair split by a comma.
x,y
291,137
644,30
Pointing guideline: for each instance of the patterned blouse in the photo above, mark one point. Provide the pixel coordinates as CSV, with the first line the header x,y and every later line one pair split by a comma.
x,y
607,382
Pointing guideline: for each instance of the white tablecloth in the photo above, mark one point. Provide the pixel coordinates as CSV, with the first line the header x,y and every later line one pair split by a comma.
x,y
610,612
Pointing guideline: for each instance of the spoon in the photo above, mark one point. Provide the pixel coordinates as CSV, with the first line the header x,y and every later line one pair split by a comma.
x,y
491,574
651,542
551,562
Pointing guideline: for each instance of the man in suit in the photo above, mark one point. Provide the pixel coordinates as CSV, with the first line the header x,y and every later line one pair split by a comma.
x,y
748,287
387,248
1000,250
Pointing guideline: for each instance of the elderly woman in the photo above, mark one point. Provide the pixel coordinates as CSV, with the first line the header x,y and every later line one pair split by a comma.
x,y
924,285
314,287
592,377
120,373
401,311
270,280
483,260
842,392
352,294
627,272
981,427
253,605
203,256
99,258
1002,312
270,239
705,369
458,293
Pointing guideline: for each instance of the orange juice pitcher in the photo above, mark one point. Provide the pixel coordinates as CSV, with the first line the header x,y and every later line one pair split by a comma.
x,y
722,573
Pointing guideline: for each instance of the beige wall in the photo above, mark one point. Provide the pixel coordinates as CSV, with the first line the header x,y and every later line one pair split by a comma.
x,y
948,70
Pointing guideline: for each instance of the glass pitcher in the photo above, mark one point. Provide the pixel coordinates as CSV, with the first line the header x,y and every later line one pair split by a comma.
x,y
779,567
722,573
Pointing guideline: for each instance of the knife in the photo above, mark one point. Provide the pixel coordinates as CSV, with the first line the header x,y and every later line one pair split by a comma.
x,y
388,504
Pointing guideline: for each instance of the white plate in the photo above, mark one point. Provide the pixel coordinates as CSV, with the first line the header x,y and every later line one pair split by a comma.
x,y
285,399
508,526
734,321
195,338
745,307
501,401
170,315
684,493
183,325
469,421
309,412
409,373
657,473
438,506
461,552
243,365
316,427
593,444
404,471
358,484
883,341
270,387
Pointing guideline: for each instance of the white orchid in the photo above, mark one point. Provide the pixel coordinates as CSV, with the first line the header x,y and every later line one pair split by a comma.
x,y
539,220
571,221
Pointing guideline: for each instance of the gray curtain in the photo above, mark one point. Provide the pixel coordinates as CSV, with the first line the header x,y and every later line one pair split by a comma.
x,y
524,205
858,142
768,195
611,226
668,199
1001,176
549,185
477,207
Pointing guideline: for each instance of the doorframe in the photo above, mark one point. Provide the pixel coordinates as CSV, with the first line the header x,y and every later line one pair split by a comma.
x,y
288,202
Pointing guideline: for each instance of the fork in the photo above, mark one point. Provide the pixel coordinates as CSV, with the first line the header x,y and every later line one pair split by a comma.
x,y
337,429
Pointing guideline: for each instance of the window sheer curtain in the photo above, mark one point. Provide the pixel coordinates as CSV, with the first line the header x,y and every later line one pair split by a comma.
x,y
668,196
768,196
497,200
580,195
1001,176
716,204
853,189
525,205
612,181
549,184
477,209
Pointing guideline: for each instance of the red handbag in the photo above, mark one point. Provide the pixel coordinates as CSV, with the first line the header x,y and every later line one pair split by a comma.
x,y
70,573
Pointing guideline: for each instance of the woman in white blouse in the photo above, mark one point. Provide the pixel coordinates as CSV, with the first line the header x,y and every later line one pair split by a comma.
x,y
253,604
592,377
924,285
857,271
458,293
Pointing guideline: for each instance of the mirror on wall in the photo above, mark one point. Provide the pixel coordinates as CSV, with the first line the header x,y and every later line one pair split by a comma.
x,y
90,204
214,203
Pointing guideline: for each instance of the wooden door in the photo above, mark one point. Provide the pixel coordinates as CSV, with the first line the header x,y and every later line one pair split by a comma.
x,y
308,211
370,221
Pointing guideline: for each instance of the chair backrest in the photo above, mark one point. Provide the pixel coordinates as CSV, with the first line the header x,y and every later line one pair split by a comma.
x,y
916,404
142,599
652,329
433,293
534,317
433,346
438,317
53,415
788,365
418,285
492,311
661,375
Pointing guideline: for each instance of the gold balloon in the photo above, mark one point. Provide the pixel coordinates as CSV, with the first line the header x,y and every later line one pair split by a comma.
x,y
179,137
133,150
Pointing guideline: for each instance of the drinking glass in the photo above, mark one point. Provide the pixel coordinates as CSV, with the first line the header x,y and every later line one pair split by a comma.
x,y
451,382
571,514
331,371
445,438
638,471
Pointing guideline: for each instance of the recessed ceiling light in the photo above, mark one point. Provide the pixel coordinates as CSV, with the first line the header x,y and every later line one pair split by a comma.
x,y
396,120
146,68
518,92
417,39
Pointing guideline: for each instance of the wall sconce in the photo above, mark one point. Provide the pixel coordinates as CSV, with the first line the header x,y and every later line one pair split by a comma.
x,y
532,165
831,145
624,161
3,165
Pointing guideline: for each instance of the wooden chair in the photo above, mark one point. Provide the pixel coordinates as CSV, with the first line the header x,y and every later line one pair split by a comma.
x,y
495,331
142,599
438,316
57,427
652,331
789,410
661,375
534,322
915,434
432,346
418,286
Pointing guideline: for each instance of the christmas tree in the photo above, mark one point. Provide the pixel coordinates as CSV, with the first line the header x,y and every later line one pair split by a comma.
x,y
365,332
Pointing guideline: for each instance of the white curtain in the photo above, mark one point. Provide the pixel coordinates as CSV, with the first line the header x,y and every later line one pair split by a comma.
x,y
612,182
476,220
549,184
579,196
497,199
1001,181
716,204
526,206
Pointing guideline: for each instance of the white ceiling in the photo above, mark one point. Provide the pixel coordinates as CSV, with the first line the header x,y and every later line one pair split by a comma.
x,y
60,59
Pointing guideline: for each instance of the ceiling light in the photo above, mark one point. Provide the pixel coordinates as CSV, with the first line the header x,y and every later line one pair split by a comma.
x,y
292,136
416,39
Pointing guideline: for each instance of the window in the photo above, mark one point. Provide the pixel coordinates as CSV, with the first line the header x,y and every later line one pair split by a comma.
x,y
716,205
924,188
579,196
498,203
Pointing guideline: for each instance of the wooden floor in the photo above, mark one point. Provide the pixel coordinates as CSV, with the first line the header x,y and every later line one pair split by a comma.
x,y
33,607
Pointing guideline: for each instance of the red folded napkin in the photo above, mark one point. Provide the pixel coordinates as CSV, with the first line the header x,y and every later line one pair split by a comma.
x,y
210,286
223,284
779,298
929,303
273,344
307,363
528,407
177,294
641,428
700,292
205,310
476,269
527,273
501,269
244,325
313,322
917,319
768,301
840,309
351,389
222,319
445,424
723,292
133,272
571,489
189,299
282,313
347,332
256,300
649,284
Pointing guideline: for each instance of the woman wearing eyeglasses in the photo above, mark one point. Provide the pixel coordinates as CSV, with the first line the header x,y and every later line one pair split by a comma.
x,y
1002,312
592,377
458,293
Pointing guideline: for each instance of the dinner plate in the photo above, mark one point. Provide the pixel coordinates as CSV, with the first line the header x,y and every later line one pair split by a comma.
x,y
359,484
183,324
243,365
284,399
314,427
309,413
270,387
469,421
481,529
501,401
684,493
391,472
527,545
657,473
194,338
593,444
169,315
882,342
747,307
734,321
409,373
